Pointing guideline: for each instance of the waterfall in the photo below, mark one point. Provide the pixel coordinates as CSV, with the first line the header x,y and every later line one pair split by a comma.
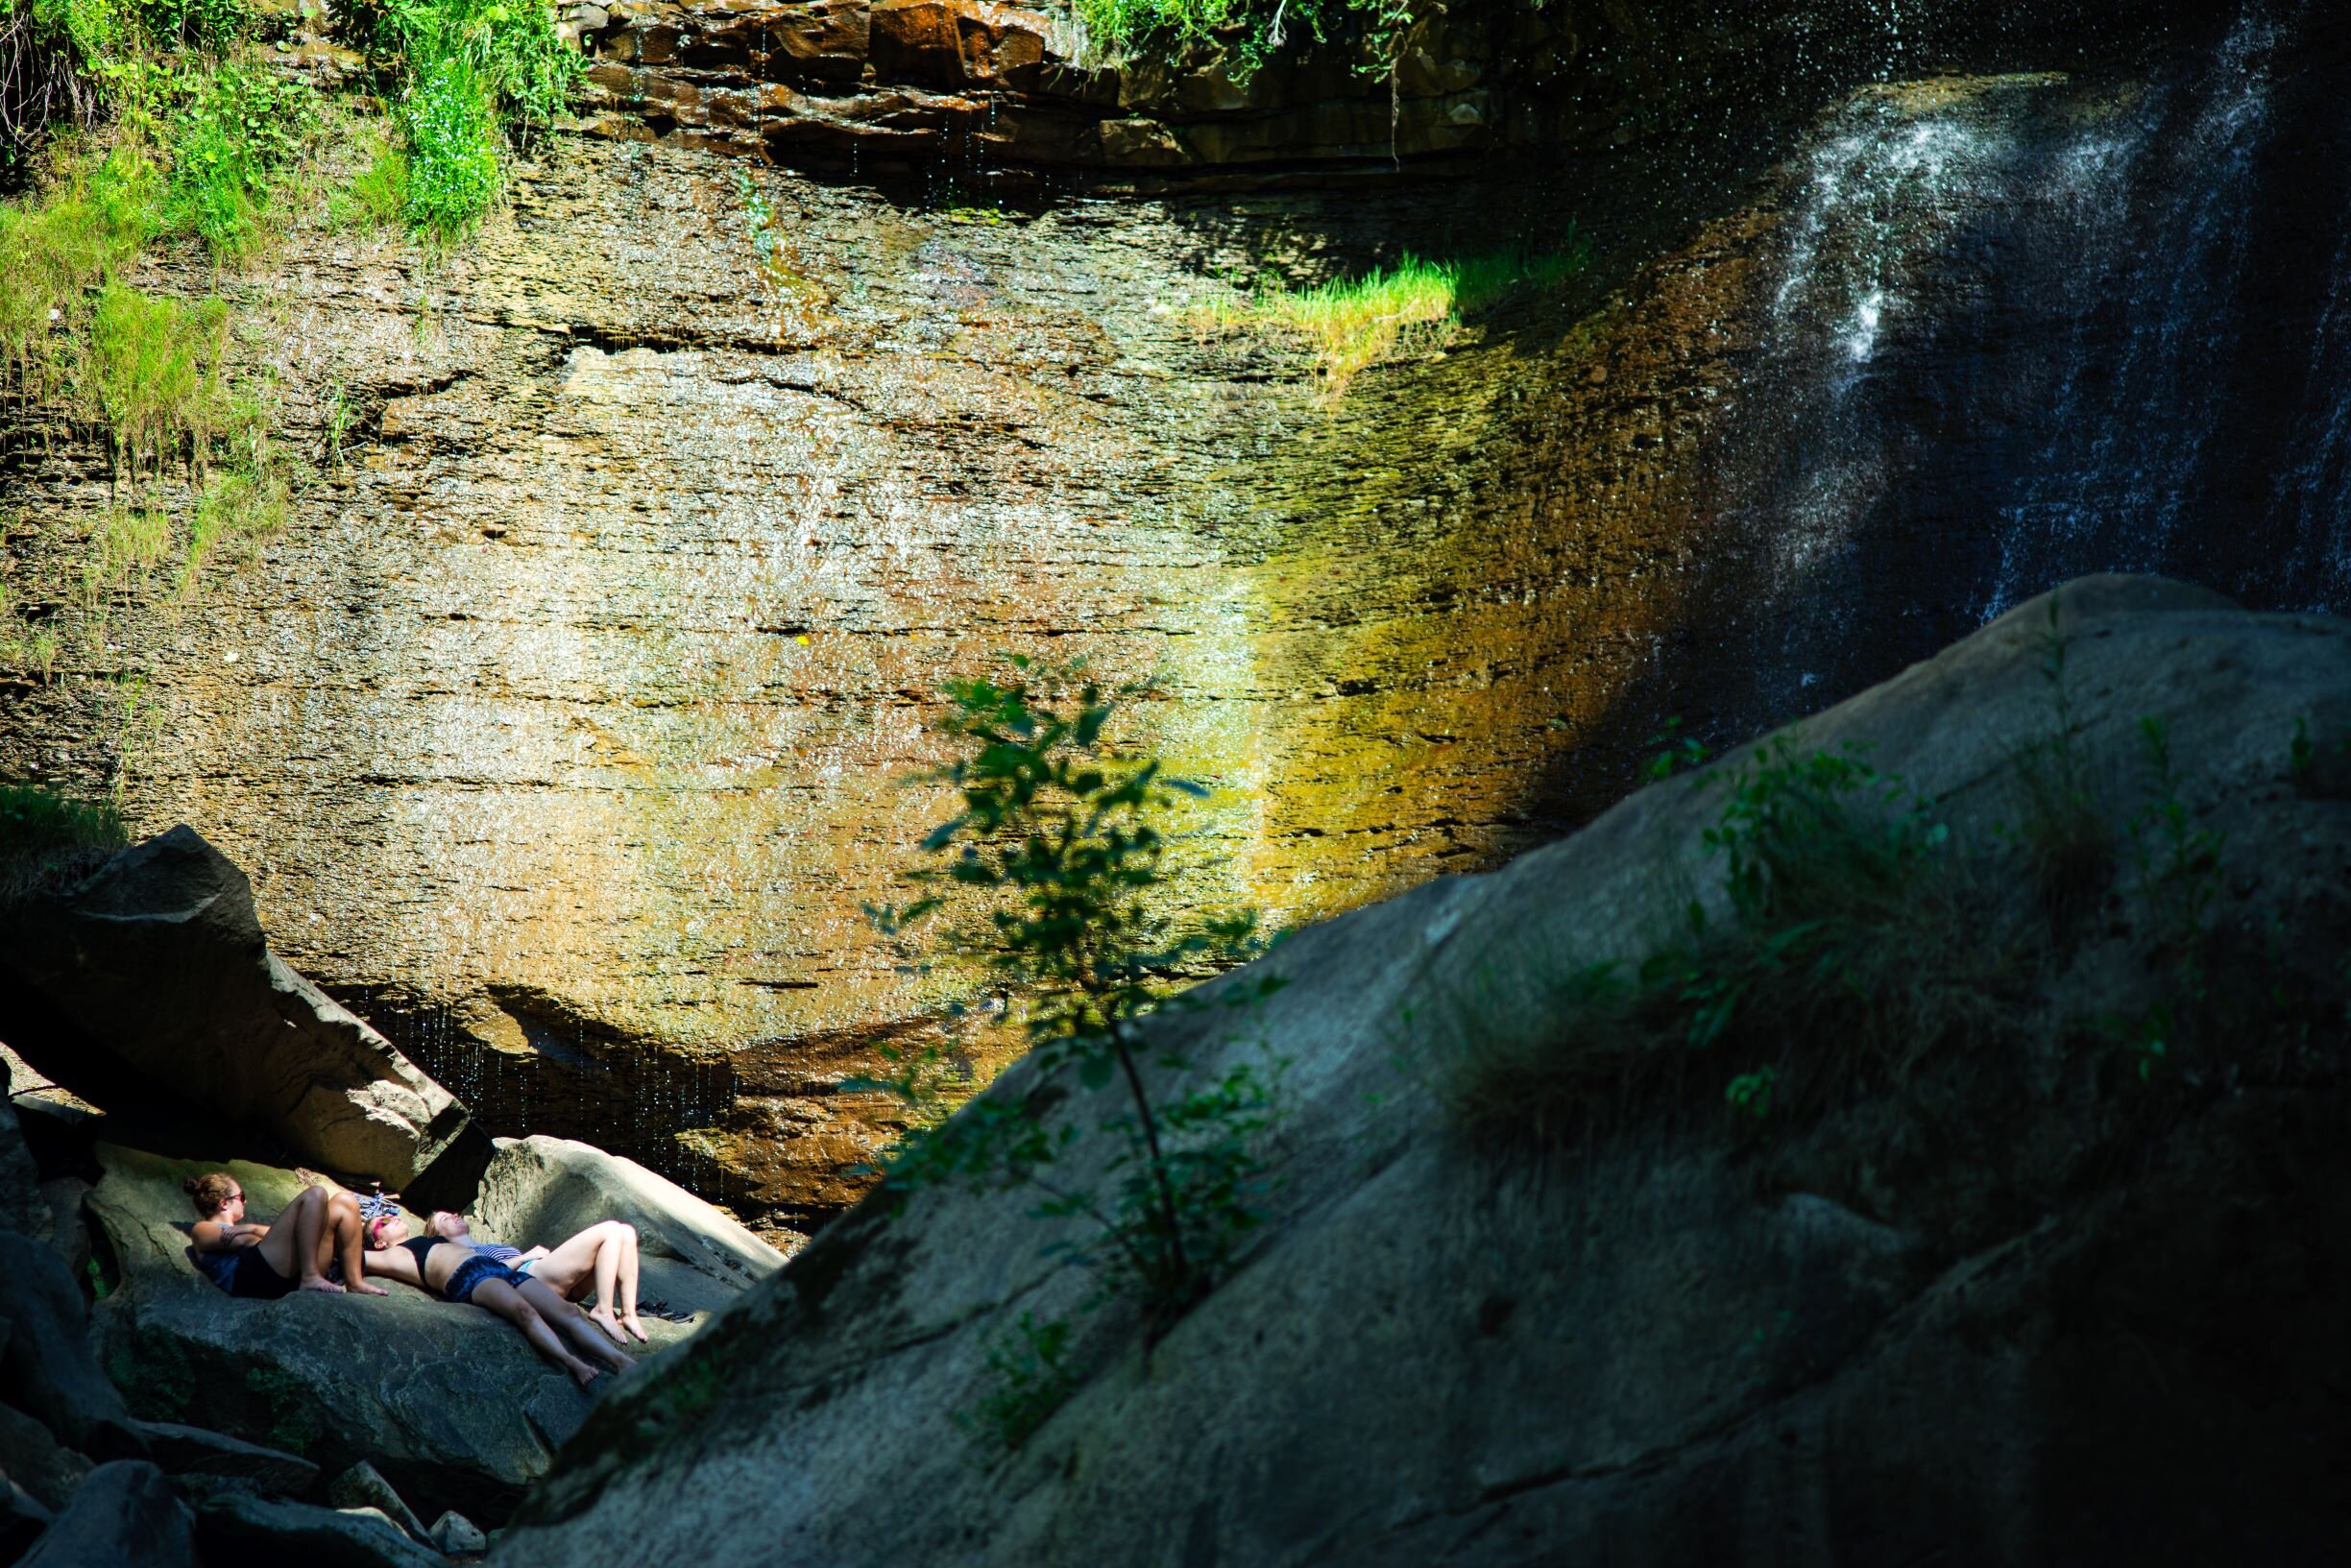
x,y
2015,330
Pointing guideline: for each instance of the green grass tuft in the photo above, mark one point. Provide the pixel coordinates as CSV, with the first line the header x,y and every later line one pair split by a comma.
x,y
378,197
46,837
93,216
1358,321
155,374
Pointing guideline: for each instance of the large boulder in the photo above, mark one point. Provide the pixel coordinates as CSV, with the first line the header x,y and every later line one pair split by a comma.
x,y
32,1456
241,1527
2029,1308
180,1450
46,1367
126,1516
150,988
538,1191
447,1402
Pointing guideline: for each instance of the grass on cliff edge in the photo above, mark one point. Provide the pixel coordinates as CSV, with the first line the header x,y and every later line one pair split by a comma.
x,y
1859,947
45,836
1354,323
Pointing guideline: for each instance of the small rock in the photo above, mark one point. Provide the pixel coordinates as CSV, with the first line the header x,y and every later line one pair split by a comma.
x,y
455,1535
124,1516
22,1519
362,1486
542,1190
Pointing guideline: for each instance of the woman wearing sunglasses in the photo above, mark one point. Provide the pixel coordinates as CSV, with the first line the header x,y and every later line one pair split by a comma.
x,y
319,1231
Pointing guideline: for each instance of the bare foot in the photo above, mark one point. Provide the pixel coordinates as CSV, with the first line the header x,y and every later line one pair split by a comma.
x,y
628,1321
323,1284
584,1374
307,1177
365,1289
603,1318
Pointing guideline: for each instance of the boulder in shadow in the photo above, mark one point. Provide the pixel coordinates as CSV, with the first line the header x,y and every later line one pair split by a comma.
x,y
126,1516
149,988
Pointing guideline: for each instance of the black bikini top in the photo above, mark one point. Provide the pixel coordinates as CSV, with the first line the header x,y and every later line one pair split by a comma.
x,y
422,1248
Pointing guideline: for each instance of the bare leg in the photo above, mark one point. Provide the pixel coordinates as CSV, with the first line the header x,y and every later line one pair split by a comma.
x,y
501,1298
607,1275
340,1238
566,1322
627,1306
591,1257
295,1243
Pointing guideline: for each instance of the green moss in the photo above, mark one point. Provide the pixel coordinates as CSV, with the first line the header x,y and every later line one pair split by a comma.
x,y
293,1408
155,1376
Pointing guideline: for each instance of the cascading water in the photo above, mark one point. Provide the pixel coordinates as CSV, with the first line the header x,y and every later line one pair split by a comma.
x,y
2020,329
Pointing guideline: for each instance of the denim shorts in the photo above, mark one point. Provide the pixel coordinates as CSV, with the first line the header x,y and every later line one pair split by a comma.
x,y
469,1275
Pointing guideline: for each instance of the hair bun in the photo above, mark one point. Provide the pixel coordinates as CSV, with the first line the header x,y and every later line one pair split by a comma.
x,y
190,1184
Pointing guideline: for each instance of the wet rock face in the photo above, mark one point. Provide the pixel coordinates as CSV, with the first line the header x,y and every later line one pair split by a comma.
x,y
560,733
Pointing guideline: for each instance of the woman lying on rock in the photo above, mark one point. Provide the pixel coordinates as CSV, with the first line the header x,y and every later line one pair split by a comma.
x,y
316,1232
456,1272
603,1256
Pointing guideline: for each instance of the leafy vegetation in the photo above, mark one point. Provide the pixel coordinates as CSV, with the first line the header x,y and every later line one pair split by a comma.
x,y
1857,948
1032,1380
1051,879
1354,323
237,130
469,72
1254,29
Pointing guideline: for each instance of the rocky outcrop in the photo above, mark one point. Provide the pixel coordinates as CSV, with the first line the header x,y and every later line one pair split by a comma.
x,y
149,986
449,1403
1003,97
547,1188
2041,1297
240,1528
657,531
